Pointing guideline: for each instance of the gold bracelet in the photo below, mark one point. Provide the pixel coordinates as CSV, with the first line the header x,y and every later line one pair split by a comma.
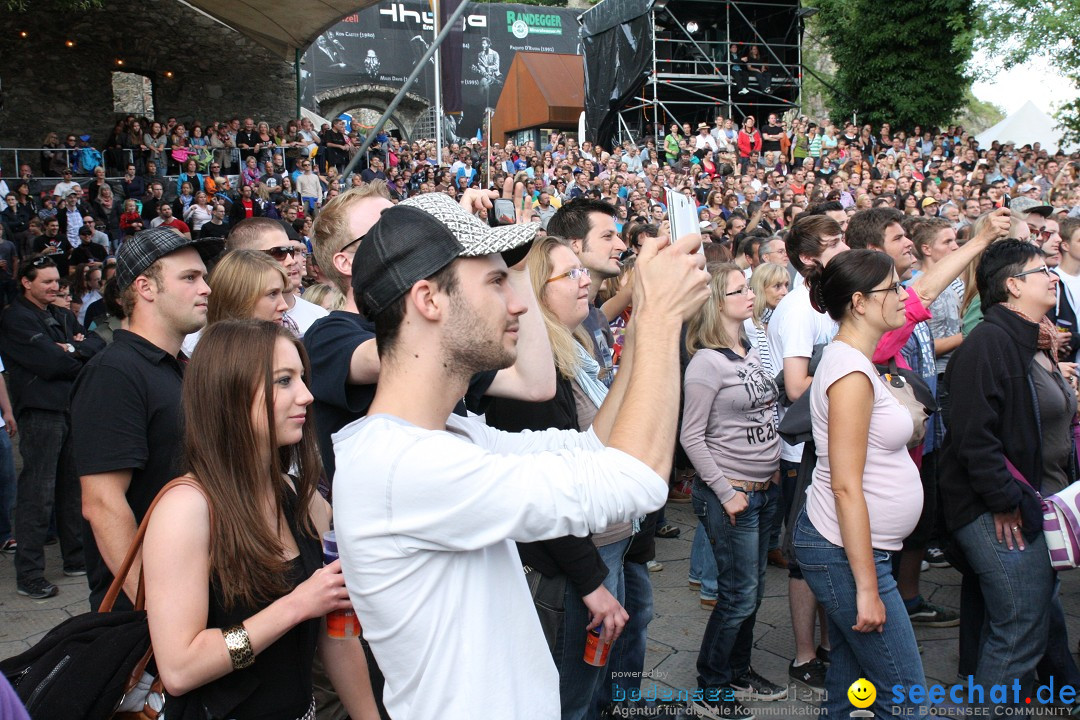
x,y
239,646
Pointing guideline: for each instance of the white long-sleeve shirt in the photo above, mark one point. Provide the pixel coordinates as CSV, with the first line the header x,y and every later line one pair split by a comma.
x,y
426,523
308,185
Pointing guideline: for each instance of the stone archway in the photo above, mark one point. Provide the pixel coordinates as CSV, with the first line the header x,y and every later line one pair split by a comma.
x,y
331,103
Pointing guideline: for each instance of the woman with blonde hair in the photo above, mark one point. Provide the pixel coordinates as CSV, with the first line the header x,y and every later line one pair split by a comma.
x,y
729,433
247,284
236,591
770,284
590,568
970,308
325,296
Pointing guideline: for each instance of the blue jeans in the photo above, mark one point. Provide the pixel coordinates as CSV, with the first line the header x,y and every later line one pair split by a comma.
x,y
628,654
579,682
7,486
702,563
886,658
1058,661
741,553
47,482
1018,587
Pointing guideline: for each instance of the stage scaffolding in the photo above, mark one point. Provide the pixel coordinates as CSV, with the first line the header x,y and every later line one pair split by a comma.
x,y
691,79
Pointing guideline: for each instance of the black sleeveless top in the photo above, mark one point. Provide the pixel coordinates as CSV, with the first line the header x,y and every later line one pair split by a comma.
x,y
278,685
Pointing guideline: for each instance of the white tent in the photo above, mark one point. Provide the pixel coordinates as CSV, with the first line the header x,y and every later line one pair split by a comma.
x,y
1026,126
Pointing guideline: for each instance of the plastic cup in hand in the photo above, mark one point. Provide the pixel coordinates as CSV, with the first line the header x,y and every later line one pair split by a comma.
x,y
596,651
339,623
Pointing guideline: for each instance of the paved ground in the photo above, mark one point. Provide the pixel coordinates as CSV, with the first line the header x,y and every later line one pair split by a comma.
x,y
674,635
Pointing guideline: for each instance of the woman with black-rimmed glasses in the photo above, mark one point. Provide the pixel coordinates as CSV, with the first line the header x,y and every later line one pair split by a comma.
x,y
866,495
1010,435
586,572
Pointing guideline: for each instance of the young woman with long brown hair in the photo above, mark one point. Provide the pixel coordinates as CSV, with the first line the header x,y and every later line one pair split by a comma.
x,y
235,589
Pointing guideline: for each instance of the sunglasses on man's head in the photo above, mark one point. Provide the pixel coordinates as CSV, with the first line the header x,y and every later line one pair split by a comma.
x,y
280,252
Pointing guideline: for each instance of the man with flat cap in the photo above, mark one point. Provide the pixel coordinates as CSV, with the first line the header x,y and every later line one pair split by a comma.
x,y
125,408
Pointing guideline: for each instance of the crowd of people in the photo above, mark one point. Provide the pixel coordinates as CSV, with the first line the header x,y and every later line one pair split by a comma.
x,y
860,365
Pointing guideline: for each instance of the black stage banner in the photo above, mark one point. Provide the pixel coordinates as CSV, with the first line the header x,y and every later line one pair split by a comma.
x,y
379,46
617,39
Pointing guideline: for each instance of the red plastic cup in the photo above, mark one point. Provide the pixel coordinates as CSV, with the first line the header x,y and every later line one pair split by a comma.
x,y
596,652
340,624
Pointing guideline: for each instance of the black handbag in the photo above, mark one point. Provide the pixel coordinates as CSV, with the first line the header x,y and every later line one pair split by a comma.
x,y
92,664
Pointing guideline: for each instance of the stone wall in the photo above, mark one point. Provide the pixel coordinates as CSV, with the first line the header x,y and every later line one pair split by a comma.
x,y
199,68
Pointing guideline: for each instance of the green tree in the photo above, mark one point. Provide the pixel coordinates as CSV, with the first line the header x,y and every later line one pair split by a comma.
x,y
1012,31
900,61
977,115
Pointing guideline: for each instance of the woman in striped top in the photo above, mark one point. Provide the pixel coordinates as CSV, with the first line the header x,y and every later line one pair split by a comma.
x,y
770,283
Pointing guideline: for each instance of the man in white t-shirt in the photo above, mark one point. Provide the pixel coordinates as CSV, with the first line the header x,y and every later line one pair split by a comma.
x,y
65,186
269,236
794,329
427,506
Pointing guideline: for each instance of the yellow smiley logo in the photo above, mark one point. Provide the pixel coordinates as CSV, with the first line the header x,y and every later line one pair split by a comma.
x,y
862,693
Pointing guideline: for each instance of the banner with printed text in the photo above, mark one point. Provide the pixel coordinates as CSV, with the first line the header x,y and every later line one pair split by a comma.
x,y
381,45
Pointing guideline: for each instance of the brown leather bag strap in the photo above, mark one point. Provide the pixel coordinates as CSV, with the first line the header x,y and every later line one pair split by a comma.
x,y
136,545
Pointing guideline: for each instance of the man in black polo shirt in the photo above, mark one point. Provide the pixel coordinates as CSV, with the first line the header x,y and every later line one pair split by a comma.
x,y
126,403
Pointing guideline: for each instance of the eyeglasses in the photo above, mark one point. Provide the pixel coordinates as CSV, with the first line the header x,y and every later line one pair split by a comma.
x,y
1044,270
895,287
346,246
42,261
741,291
280,252
572,273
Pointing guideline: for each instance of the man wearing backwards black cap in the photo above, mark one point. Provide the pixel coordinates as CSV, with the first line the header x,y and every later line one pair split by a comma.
x,y
135,383
341,346
428,505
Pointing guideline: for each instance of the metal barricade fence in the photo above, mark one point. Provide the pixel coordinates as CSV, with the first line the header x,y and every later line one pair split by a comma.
x,y
41,166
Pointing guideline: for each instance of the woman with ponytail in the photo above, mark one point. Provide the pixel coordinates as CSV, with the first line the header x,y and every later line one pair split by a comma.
x,y
866,496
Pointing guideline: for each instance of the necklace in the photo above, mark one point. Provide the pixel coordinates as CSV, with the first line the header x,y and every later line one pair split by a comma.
x,y
849,342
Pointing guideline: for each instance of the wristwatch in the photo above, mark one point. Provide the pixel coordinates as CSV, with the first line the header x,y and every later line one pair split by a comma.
x,y
68,347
